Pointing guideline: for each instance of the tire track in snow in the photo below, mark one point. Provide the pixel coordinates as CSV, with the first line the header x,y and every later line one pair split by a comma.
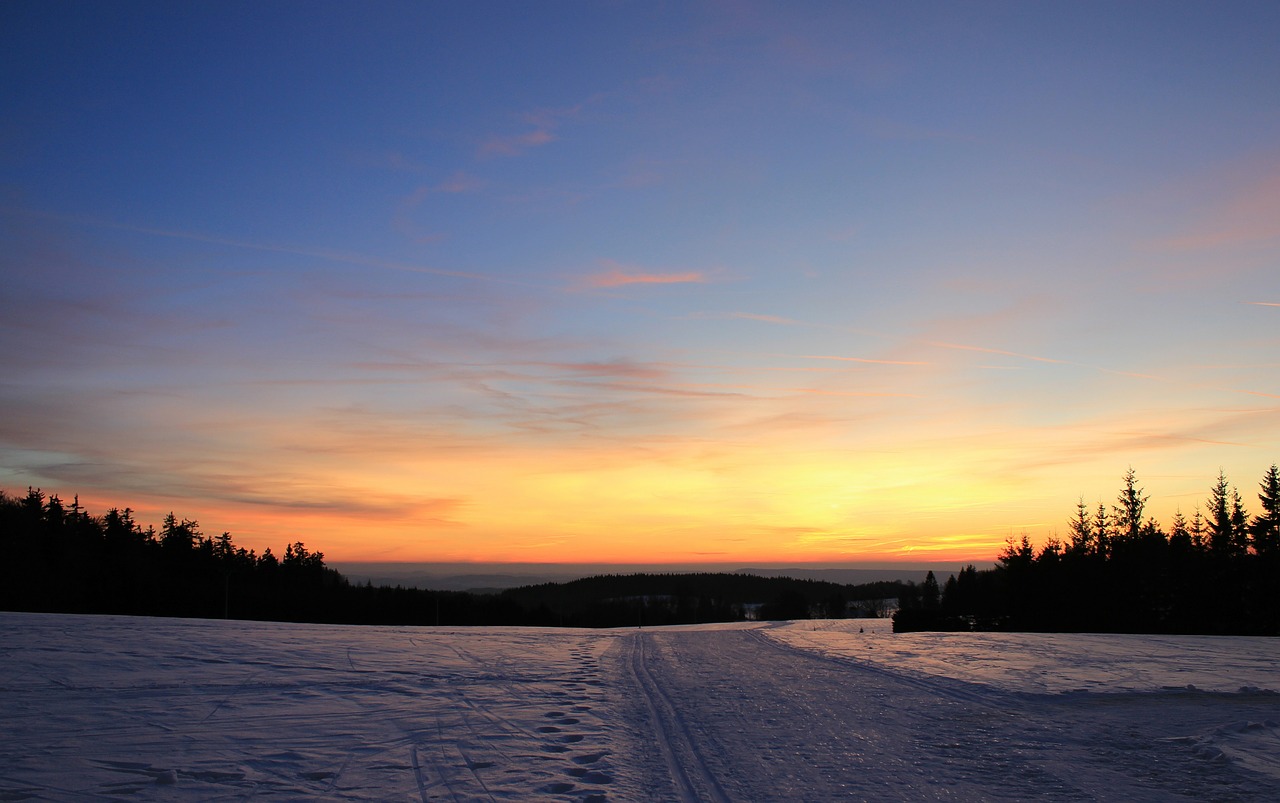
x,y
694,780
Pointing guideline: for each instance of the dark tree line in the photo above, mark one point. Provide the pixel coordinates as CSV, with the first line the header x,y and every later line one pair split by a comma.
x,y
1120,571
59,558
693,598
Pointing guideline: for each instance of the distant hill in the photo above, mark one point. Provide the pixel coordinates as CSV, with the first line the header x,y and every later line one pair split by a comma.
x,y
60,558
695,597
855,576
493,577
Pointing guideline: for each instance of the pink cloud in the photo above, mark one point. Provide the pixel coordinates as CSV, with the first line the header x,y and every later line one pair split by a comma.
x,y
866,360
458,183
752,316
746,316
1002,352
621,276
544,123
516,144
1248,215
403,220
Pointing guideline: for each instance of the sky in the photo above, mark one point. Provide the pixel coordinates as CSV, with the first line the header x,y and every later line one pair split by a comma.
x,y
638,281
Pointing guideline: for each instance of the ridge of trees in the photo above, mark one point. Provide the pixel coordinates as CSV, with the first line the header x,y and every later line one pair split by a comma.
x,y
1120,571
61,559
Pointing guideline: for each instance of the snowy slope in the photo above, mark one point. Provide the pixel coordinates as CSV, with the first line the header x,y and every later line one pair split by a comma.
x,y
1051,662
106,707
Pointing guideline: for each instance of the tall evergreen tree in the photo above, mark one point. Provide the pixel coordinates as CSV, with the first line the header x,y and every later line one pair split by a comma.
x,y
1051,552
1081,526
1017,555
1180,532
1102,531
1129,506
1266,527
1199,530
1239,524
1221,531
930,594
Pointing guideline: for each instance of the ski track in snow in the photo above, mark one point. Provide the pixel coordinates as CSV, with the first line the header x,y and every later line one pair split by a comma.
x,y
107,708
693,779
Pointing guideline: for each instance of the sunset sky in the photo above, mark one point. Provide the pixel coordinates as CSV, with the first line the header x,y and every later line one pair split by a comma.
x,y
638,282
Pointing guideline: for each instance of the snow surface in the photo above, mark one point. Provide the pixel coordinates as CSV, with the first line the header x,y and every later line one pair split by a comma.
x,y
169,709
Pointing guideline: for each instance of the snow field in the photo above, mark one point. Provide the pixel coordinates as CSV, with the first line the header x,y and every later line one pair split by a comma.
x,y
1050,662
165,709
204,710
1070,663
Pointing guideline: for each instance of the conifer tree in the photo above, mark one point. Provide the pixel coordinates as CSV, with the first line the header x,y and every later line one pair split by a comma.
x,y
1102,529
929,591
1220,530
1180,532
1128,511
1081,526
1199,531
1266,527
1239,524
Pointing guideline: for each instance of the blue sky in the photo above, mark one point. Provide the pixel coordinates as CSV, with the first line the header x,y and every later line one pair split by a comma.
x,y
636,281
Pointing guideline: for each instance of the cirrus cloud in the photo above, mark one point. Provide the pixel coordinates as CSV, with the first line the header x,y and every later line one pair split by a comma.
x,y
617,275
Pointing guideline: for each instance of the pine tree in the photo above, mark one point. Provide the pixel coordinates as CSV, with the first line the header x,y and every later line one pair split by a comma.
x,y
1102,530
1081,526
1199,531
1180,532
929,592
1239,524
1016,555
1266,527
1051,552
1220,530
223,547
1128,511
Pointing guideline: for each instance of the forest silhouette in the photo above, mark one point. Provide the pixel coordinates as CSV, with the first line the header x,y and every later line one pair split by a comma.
x,y
62,559
1214,573
1118,571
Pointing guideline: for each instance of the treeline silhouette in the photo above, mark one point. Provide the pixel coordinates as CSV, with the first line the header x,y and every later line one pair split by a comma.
x,y
1214,573
692,598
60,558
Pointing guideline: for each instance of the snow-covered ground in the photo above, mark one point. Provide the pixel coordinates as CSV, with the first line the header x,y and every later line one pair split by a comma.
x,y
163,709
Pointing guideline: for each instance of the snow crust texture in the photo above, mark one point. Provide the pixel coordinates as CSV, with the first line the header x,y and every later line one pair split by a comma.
x,y
158,709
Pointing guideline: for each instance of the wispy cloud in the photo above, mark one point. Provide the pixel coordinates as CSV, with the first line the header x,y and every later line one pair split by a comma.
x,y
515,144
865,360
778,319
457,184
1246,212
855,394
1112,371
1264,303
1001,352
327,254
745,316
617,275
611,368
1252,393
543,126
